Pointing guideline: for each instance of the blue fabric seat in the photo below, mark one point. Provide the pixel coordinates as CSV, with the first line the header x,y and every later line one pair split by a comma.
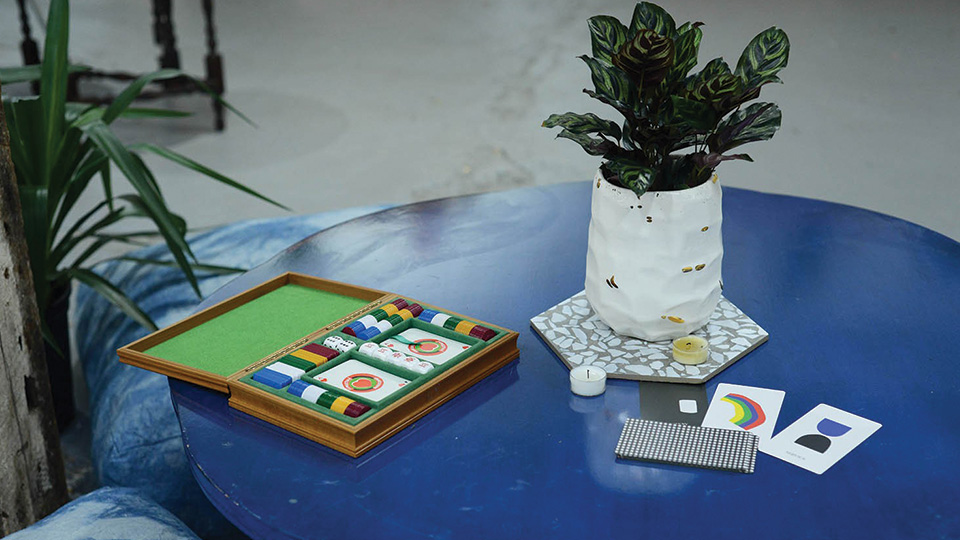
x,y
108,514
135,433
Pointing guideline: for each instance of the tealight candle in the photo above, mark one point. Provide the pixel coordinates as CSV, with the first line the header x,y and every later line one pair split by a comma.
x,y
691,350
588,381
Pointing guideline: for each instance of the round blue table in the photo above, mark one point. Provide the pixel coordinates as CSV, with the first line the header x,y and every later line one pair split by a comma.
x,y
862,311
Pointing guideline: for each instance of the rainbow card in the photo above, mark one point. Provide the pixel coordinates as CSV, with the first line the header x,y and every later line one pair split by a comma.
x,y
745,408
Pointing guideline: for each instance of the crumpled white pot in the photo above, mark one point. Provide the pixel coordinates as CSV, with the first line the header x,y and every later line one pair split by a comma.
x,y
654,262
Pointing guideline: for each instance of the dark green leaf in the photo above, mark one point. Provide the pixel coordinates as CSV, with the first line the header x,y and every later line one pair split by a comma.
x,y
583,123
687,47
607,35
34,208
758,122
79,181
24,122
648,16
18,74
611,82
763,58
592,145
626,110
691,115
632,175
131,92
113,295
150,202
53,82
204,170
646,59
207,268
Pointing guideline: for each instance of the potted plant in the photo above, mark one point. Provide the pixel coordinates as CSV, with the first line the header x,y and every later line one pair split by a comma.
x,y
655,249
59,150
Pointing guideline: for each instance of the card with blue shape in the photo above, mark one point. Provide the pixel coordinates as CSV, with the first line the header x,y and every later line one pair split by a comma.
x,y
820,438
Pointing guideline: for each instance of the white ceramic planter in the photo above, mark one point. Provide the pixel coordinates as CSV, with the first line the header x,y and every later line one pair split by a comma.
x,y
654,262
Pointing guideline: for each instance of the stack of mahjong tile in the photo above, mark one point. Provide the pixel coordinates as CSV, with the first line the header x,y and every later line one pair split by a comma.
x,y
456,324
382,319
287,371
395,358
325,398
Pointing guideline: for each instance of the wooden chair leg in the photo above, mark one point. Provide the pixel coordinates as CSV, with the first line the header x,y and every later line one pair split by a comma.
x,y
28,47
163,34
214,65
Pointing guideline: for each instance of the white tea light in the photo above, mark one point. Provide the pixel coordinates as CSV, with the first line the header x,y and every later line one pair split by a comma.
x,y
691,350
588,381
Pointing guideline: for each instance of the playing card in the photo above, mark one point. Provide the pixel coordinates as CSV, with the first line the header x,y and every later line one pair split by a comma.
x,y
820,438
425,345
745,408
355,377
672,402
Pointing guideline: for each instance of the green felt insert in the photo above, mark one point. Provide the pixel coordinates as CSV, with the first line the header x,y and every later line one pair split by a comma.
x,y
240,337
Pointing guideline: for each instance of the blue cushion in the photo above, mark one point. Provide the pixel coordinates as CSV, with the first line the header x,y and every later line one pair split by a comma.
x,y
136,436
108,514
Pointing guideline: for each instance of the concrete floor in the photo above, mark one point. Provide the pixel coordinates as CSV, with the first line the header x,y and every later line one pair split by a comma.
x,y
384,101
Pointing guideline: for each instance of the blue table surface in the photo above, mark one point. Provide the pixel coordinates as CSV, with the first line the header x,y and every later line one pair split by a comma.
x,y
862,311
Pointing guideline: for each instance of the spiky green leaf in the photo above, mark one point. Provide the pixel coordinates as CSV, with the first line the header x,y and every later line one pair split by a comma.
x,y
19,74
113,295
180,159
649,16
646,59
583,123
632,175
764,57
53,82
758,122
607,35
611,82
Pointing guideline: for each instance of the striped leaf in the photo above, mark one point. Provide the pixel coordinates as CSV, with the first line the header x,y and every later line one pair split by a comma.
x,y
632,175
583,124
690,115
646,59
721,91
607,35
687,47
594,146
758,122
764,57
611,82
649,16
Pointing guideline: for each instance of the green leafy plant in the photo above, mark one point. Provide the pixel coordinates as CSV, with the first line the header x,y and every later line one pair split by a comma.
x,y
58,149
644,72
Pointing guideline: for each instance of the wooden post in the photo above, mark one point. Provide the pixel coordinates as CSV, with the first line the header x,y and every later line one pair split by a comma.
x,y
32,481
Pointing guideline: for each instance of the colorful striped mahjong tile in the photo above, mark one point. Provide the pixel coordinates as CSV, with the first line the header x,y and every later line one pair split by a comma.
x,y
357,378
426,345
315,353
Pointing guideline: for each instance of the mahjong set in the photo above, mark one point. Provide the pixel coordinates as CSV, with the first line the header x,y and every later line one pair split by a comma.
x,y
343,365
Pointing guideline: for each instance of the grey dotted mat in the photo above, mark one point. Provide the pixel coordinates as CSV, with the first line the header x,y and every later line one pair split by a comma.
x,y
579,337
693,446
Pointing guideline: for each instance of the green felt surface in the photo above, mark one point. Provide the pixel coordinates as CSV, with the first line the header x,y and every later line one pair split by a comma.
x,y
242,336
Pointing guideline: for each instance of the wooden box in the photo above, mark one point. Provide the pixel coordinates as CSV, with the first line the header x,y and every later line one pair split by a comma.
x,y
224,346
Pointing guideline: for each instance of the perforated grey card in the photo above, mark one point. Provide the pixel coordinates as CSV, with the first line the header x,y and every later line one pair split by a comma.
x,y
693,446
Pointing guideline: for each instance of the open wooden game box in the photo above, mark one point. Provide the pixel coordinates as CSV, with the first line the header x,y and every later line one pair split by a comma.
x,y
345,366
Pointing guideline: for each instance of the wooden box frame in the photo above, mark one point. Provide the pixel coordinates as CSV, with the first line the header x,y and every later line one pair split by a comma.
x,y
353,440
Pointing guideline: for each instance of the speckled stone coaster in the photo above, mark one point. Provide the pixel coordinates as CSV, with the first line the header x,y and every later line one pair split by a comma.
x,y
692,446
579,337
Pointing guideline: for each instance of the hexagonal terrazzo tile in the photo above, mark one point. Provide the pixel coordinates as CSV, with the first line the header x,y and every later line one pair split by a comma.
x,y
579,337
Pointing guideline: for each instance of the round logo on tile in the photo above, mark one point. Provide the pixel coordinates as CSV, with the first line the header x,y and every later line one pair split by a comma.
x,y
362,382
428,347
